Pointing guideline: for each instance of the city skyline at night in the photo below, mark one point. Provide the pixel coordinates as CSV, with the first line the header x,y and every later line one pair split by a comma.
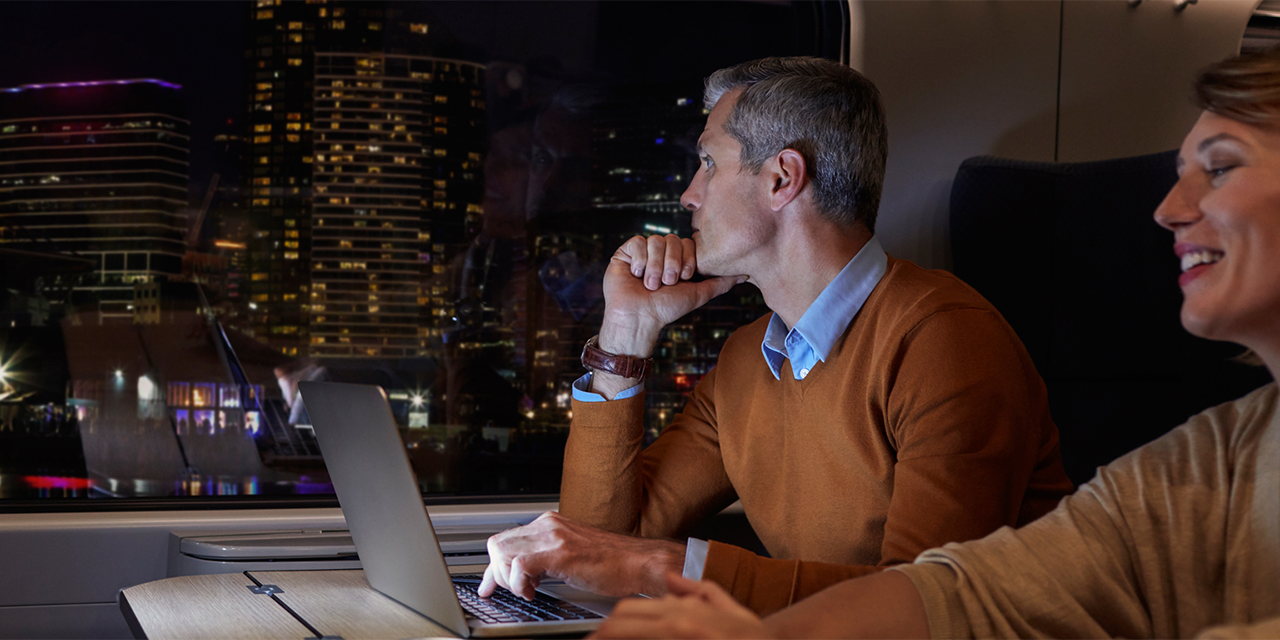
x,y
421,196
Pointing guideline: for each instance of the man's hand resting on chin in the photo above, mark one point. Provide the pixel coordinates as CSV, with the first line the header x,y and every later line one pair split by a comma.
x,y
584,557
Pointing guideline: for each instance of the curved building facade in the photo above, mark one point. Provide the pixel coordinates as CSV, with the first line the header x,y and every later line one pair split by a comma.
x,y
97,170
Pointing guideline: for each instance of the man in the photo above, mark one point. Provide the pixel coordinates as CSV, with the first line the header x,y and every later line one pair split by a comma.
x,y
880,410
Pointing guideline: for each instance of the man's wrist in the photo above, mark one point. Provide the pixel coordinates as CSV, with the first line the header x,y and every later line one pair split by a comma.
x,y
609,385
664,557
628,337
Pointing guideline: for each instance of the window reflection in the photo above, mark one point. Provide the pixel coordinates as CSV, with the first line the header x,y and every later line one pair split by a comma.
x,y
408,197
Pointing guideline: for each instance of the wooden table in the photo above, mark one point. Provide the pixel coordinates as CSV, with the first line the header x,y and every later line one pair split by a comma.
x,y
270,605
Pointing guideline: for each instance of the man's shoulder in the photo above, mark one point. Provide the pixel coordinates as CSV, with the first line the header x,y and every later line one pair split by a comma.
x,y
910,289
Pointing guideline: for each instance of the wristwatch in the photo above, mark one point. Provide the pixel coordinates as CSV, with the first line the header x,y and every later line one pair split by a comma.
x,y
596,359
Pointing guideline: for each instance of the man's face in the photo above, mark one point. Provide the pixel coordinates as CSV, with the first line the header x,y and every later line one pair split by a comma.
x,y
728,204
560,175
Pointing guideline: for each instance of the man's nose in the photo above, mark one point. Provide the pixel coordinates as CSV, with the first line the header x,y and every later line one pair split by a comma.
x,y
691,199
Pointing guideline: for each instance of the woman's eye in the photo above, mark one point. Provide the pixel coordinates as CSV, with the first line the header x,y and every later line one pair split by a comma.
x,y
1218,172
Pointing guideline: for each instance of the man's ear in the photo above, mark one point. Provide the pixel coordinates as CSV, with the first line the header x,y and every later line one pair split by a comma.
x,y
789,174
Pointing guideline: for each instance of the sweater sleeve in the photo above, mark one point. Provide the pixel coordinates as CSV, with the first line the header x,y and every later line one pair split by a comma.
x,y
1140,551
660,492
1065,575
969,421
766,585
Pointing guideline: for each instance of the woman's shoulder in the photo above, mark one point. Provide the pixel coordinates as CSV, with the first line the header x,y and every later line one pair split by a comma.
x,y
1208,445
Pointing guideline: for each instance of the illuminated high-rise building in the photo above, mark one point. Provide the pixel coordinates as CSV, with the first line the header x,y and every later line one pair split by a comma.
x,y
381,214
362,166
97,170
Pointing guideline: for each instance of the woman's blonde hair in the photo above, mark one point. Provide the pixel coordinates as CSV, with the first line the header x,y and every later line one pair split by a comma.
x,y
1245,88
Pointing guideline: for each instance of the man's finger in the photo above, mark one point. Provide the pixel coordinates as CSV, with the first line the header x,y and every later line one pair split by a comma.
x,y
657,247
690,266
488,585
634,253
673,261
524,577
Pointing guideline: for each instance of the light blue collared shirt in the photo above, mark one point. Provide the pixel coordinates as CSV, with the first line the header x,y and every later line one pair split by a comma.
x,y
805,345
822,324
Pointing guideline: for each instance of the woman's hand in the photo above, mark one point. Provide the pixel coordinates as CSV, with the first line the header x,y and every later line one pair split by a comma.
x,y
689,610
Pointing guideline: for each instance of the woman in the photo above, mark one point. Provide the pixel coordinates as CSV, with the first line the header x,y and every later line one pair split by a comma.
x,y
1178,538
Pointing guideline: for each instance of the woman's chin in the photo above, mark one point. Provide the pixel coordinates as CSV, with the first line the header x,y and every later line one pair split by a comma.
x,y
1197,324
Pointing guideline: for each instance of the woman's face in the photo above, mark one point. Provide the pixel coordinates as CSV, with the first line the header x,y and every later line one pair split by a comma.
x,y
1224,212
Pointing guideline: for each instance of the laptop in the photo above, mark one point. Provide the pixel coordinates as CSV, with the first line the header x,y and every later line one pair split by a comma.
x,y
393,534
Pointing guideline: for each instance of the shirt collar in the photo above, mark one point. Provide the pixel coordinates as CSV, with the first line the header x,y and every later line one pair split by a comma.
x,y
826,319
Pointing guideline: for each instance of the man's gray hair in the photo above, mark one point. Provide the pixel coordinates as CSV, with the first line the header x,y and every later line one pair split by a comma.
x,y
827,112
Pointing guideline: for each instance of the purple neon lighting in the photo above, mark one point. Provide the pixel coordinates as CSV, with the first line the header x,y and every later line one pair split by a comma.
x,y
96,83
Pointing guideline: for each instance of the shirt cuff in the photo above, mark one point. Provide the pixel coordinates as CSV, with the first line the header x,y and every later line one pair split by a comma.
x,y
695,559
581,394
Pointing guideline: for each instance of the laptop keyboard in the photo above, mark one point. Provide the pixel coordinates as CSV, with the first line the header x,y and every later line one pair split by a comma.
x,y
507,607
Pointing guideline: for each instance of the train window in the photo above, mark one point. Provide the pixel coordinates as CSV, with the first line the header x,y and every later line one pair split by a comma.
x,y
417,195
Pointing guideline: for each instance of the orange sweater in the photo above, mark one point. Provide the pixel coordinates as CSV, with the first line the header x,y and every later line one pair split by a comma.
x,y
926,424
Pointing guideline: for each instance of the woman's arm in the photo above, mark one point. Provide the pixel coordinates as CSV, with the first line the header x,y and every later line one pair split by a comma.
x,y
883,605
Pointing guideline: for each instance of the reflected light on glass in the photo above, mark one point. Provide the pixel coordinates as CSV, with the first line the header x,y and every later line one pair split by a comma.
x,y
146,388
56,482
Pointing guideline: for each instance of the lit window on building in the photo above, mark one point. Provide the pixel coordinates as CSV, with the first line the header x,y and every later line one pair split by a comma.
x,y
295,62
418,28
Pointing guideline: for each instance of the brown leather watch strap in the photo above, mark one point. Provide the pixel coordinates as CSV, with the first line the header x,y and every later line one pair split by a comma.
x,y
597,359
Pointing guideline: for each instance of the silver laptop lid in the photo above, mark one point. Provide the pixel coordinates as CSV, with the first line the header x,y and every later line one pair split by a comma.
x,y
380,498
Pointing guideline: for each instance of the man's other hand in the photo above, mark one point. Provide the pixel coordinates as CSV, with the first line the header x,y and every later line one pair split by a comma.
x,y
689,610
584,557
